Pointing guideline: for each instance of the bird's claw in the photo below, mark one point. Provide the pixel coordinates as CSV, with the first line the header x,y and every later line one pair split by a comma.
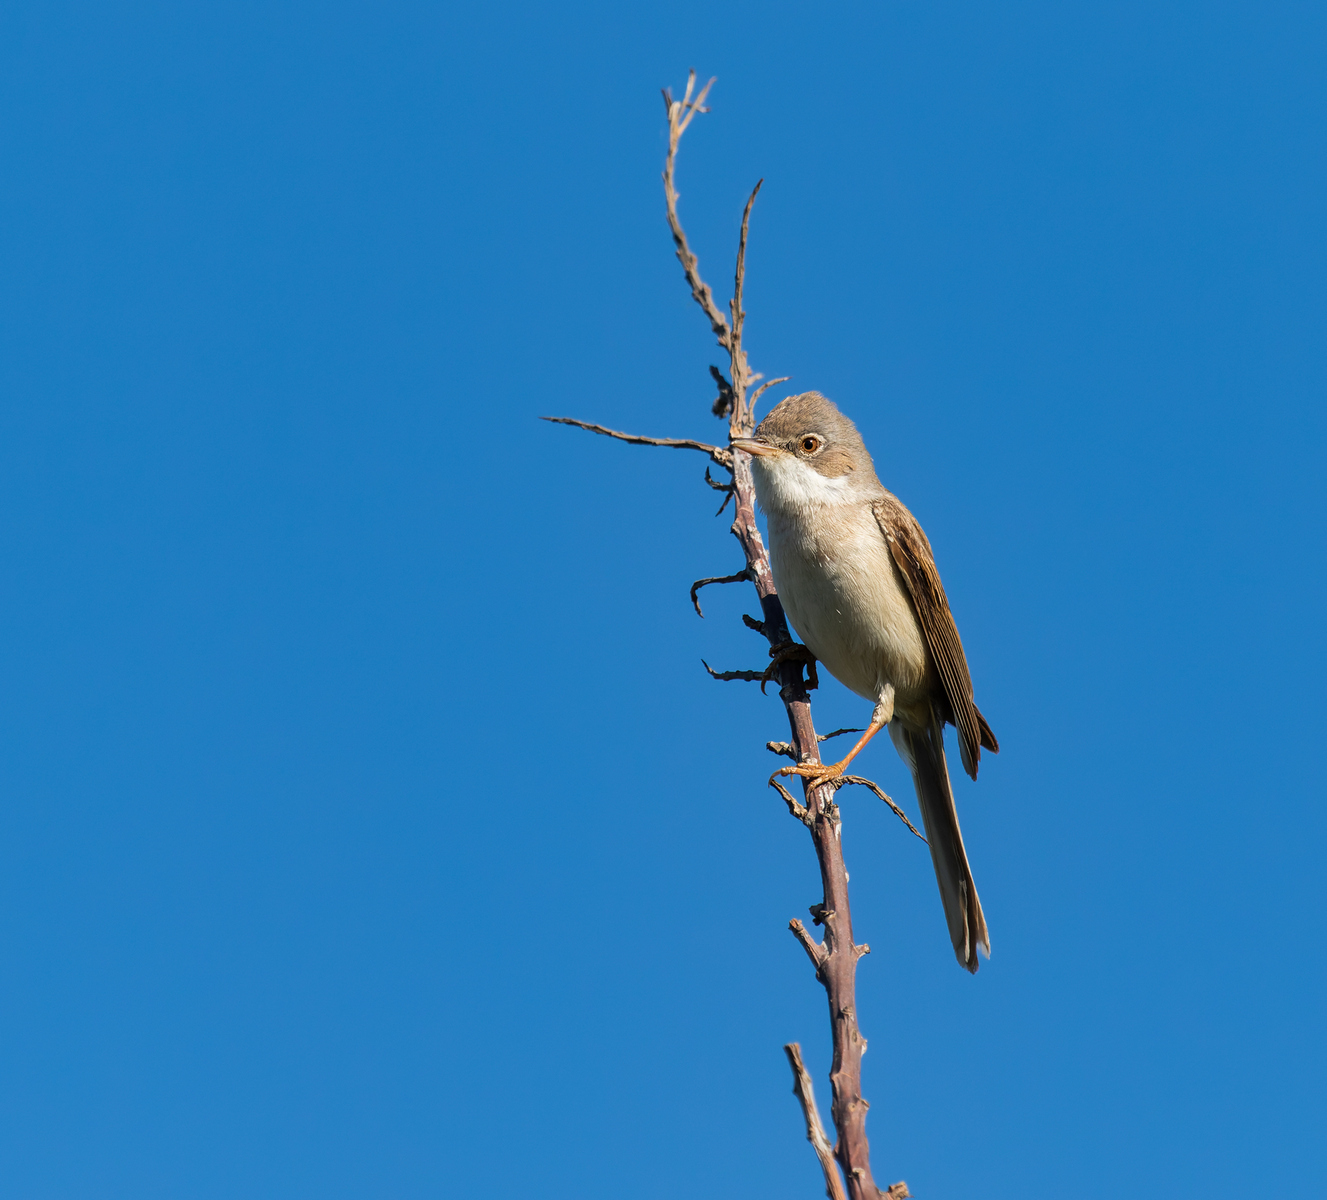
x,y
816,773
790,652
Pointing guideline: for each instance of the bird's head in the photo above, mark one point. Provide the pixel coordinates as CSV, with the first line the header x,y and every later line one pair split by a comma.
x,y
806,454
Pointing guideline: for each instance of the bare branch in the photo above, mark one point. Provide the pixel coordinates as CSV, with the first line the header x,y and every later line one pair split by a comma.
x,y
742,576
837,955
815,1131
720,454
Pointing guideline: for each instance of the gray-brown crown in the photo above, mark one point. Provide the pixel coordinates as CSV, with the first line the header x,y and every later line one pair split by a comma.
x,y
792,421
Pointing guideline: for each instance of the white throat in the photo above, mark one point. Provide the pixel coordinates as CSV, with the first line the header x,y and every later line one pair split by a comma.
x,y
785,484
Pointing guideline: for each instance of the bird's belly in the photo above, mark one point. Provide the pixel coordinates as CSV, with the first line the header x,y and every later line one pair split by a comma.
x,y
846,601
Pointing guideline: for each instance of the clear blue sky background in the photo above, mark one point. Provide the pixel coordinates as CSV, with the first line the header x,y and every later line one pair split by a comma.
x,y
368,827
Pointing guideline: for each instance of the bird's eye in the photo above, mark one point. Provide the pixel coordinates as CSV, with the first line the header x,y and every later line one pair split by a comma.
x,y
810,444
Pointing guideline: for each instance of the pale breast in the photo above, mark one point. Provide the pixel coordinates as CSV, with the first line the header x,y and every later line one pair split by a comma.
x,y
844,597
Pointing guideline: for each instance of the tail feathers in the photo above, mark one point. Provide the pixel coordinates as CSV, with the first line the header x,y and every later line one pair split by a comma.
x,y
970,751
924,752
987,733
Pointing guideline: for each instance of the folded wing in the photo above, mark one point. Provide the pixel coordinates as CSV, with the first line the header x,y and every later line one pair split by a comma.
x,y
912,555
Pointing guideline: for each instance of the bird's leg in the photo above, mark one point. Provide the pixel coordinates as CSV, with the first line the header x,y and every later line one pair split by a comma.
x,y
819,773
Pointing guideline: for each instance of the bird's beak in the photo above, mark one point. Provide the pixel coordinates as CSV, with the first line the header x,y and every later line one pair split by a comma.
x,y
751,446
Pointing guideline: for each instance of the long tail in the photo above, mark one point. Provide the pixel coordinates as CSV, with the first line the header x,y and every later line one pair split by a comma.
x,y
924,752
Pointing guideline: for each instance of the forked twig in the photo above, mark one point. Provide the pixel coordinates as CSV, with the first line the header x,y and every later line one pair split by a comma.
x,y
680,113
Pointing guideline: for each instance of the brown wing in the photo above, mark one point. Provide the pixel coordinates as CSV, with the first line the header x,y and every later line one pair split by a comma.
x,y
916,563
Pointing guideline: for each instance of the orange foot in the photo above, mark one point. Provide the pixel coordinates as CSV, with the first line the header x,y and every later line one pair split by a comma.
x,y
817,773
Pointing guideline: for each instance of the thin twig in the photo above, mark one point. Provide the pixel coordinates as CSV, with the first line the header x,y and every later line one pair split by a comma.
x,y
745,676
742,576
842,780
721,454
786,748
815,1131
726,488
680,113
740,419
760,391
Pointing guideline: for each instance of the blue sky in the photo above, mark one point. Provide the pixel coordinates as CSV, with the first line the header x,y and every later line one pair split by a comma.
x,y
368,826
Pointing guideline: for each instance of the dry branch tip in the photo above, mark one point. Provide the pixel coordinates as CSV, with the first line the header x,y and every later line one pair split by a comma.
x,y
800,811
725,676
742,576
844,780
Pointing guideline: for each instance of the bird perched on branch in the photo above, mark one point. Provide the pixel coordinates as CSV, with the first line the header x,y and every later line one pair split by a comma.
x,y
858,581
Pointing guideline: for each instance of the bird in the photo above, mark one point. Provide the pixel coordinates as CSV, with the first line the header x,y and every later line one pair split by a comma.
x,y
859,583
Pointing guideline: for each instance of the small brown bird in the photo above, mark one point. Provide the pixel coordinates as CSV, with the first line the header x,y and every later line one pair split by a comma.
x,y
859,583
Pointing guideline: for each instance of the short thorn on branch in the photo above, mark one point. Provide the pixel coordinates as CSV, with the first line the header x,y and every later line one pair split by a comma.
x,y
742,576
815,950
